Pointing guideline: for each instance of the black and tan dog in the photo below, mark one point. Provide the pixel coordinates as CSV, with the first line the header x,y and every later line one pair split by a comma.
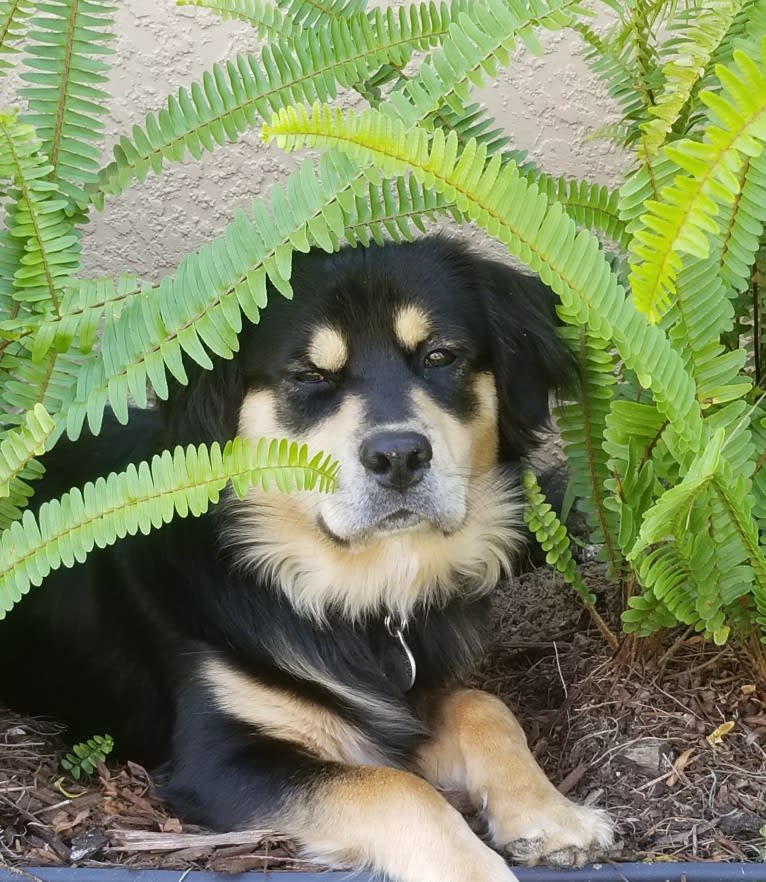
x,y
295,661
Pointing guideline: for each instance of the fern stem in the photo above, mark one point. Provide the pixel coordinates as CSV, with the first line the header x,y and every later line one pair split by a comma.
x,y
757,329
58,126
606,632
757,656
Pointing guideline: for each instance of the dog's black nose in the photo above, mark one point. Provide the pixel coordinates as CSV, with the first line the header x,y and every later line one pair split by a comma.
x,y
397,459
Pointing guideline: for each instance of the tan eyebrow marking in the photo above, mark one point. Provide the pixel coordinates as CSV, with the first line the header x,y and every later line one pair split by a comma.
x,y
411,326
328,349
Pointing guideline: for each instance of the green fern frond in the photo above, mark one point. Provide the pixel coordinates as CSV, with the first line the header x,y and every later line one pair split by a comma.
x,y
758,430
309,13
554,540
85,756
85,304
477,44
18,467
686,214
473,122
199,307
670,512
700,315
13,24
143,498
615,65
582,425
668,594
265,19
632,484
389,211
592,206
64,52
51,246
20,492
26,383
641,186
552,536
735,504
743,233
541,235
692,51
21,445
231,98
745,31
706,555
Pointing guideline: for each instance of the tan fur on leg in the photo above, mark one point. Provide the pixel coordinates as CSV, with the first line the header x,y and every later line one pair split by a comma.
x,y
480,749
392,822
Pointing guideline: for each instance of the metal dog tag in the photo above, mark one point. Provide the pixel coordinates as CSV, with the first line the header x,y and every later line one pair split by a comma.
x,y
397,629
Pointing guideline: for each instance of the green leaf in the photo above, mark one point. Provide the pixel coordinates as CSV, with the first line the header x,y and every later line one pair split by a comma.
x,y
143,498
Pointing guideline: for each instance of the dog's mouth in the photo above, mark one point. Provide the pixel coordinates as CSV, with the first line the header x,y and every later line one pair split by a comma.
x,y
402,519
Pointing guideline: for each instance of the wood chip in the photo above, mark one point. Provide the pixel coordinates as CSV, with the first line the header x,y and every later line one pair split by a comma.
x,y
137,840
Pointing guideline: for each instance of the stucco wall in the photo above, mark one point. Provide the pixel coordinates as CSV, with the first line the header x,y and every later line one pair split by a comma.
x,y
550,104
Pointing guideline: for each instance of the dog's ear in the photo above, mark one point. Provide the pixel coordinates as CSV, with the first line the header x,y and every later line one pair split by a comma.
x,y
207,407
530,360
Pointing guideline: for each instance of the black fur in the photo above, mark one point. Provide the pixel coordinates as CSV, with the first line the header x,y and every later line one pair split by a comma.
x,y
115,644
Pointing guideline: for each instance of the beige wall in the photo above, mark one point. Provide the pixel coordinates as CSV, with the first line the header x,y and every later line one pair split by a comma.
x,y
550,104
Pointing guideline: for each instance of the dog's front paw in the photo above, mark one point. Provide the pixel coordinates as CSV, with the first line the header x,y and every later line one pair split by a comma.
x,y
557,832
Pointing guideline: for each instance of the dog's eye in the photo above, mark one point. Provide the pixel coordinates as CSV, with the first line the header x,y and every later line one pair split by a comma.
x,y
438,358
309,377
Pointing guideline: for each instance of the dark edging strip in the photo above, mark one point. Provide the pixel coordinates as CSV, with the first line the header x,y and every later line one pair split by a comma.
x,y
650,872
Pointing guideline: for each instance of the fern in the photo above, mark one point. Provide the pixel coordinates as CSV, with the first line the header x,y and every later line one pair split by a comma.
x,y
85,756
19,446
613,60
265,19
18,467
700,315
554,540
744,231
682,221
691,53
232,98
143,498
582,425
542,236
668,595
13,15
51,250
309,13
591,206
670,512
389,211
64,50
201,305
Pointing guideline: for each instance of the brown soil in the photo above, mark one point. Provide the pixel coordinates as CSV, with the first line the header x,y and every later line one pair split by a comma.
x,y
642,739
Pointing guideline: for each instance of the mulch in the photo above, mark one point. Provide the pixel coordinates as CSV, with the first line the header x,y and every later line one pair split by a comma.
x,y
648,739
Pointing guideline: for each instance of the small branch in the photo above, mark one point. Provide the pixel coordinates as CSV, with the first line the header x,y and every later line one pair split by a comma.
x,y
140,840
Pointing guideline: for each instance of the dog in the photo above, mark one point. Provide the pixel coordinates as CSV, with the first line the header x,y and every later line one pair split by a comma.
x,y
296,661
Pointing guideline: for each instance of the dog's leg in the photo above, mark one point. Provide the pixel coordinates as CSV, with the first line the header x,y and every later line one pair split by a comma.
x,y
479,748
226,776
392,822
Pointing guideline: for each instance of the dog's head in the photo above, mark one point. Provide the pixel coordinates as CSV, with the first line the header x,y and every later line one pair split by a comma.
x,y
421,368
